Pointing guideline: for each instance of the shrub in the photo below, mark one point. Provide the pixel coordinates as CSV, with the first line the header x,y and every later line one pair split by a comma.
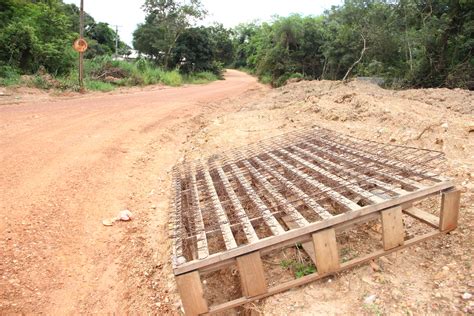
x,y
9,76
96,85
172,78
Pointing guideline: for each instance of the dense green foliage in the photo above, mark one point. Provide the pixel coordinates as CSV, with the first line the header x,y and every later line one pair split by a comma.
x,y
170,38
408,43
39,34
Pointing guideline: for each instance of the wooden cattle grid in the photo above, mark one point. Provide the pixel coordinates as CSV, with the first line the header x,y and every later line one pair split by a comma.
x,y
300,187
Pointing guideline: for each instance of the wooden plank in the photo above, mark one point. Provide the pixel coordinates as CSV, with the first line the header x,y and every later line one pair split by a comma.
x,y
337,197
192,294
229,239
251,274
316,276
269,219
351,158
313,227
353,173
422,216
300,194
325,248
381,160
307,246
342,182
202,249
288,208
450,201
249,231
178,257
393,234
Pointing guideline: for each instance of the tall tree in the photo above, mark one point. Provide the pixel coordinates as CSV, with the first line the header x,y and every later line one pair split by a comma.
x,y
165,22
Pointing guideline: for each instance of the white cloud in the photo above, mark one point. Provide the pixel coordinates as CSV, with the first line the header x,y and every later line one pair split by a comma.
x,y
128,14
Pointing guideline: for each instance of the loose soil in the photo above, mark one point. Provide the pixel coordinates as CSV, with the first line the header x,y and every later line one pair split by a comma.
x,y
70,161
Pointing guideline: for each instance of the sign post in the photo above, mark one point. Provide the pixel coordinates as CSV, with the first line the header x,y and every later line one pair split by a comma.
x,y
81,52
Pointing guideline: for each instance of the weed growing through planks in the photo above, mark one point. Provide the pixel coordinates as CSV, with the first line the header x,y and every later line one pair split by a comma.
x,y
300,269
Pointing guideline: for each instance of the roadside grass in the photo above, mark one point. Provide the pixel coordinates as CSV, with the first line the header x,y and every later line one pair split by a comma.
x,y
201,77
96,85
105,74
9,76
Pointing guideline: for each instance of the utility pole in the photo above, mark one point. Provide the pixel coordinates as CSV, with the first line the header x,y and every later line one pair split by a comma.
x,y
81,54
116,40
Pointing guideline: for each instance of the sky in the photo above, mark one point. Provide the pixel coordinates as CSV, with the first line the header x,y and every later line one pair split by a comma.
x,y
127,14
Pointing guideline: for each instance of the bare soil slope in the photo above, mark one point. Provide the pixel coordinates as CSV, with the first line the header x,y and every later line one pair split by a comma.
x,y
68,164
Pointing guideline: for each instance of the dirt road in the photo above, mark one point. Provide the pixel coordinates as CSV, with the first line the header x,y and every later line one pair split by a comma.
x,y
67,165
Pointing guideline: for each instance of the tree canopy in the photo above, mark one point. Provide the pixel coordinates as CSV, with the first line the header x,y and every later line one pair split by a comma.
x,y
408,42
36,34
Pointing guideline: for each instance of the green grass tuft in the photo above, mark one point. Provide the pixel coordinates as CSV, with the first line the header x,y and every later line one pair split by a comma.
x,y
96,85
171,78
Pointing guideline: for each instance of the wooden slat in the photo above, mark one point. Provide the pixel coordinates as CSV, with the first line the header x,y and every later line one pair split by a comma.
x,y
369,165
316,276
385,161
229,239
267,215
300,194
449,210
251,274
288,208
423,216
202,248
249,231
337,197
178,257
342,182
325,248
393,234
191,292
307,246
354,173
312,227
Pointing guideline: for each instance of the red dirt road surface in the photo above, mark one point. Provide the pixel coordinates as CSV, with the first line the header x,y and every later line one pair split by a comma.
x,y
67,164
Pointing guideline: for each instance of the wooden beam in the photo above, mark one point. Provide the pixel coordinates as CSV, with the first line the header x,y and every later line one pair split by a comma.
x,y
381,160
325,248
178,257
269,219
202,248
251,274
229,239
422,216
354,187
336,196
393,234
347,170
351,158
450,201
249,231
192,294
312,204
307,246
288,208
